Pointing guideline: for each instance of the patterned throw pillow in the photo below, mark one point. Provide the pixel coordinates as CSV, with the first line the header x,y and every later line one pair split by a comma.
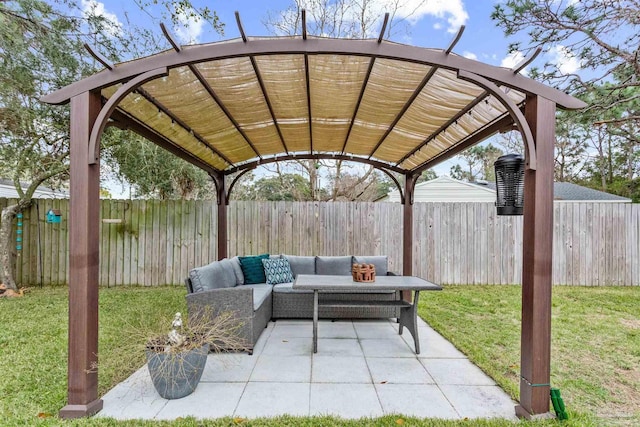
x,y
252,269
277,271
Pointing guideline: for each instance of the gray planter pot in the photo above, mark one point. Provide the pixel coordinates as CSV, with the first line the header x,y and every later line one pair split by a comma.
x,y
177,375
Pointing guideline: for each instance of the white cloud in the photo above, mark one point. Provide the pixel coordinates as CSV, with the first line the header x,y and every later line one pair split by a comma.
x,y
437,26
513,59
566,62
113,26
189,28
452,10
469,55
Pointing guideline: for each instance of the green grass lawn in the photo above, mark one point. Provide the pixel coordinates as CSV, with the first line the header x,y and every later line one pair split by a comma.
x,y
595,349
595,359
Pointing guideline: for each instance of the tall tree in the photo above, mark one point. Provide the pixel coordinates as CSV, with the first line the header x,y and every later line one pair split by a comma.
x,y
593,48
479,162
600,36
41,49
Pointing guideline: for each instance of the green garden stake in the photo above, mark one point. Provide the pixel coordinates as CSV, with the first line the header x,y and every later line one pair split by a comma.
x,y
558,404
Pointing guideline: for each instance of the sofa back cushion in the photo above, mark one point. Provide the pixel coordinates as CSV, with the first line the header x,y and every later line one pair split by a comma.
x,y
301,264
333,265
380,262
253,269
237,269
218,274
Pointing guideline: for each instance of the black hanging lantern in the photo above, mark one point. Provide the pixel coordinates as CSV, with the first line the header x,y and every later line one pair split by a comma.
x,y
510,184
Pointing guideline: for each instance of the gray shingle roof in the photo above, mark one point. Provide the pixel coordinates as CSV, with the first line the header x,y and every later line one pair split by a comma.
x,y
570,191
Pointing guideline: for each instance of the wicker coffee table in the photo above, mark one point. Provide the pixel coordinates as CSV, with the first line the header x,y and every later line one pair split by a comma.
x,y
408,310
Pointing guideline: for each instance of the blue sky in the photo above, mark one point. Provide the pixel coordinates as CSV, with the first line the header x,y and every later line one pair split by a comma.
x,y
432,24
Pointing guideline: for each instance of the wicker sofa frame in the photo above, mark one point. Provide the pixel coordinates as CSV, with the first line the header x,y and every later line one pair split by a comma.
x,y
281,305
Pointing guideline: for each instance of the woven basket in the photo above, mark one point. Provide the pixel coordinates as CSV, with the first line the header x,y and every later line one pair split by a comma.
x,y
363,273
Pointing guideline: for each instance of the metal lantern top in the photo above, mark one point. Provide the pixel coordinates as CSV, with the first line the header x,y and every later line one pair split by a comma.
x,y
510,184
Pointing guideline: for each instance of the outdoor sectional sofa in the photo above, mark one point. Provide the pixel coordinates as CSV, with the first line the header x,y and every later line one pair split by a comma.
x,y
220,286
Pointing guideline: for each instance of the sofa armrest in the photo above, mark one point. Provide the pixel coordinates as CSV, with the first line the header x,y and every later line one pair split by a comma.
x,y
236,299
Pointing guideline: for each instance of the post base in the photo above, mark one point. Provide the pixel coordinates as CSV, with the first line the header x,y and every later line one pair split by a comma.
x,y
523,413
79,411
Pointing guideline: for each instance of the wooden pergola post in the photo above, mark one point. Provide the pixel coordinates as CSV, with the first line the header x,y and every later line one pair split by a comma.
x,y
223,202
84,248
535,343
407,228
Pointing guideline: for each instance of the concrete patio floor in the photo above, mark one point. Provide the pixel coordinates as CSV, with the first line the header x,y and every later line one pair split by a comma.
x,y
362,369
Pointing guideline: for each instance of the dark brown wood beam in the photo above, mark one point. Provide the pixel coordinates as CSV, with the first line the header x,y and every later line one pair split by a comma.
x,y
455,40
126,122
170,38
223,107
526,61
223,202
404,109
537,244
360,96
375,163
445,126
84,263
284,46
146,95
407,228
263,88
306,75
303,13
99,57
385,21
498,125
240,27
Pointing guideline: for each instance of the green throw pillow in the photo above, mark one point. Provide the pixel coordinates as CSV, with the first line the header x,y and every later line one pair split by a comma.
x,y
252,269
277,271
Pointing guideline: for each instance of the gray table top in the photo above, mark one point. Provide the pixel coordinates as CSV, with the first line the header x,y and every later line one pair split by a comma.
x,y
346,283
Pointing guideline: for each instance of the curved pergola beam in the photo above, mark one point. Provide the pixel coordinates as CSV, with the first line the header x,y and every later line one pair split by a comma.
x,y
312,46
253,165
265,161
395,181
110,106
234,182
513,111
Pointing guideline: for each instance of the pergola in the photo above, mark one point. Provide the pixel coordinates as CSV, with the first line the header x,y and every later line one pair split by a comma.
x,y
231,106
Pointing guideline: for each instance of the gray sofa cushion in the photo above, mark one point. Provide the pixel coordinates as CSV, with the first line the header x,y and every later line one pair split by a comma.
x,y
333,265
216,275
287,288
260,293
228,277
237,269
301,264
380,262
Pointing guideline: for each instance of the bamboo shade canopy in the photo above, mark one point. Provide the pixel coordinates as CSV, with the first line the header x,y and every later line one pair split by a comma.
x,y
231,105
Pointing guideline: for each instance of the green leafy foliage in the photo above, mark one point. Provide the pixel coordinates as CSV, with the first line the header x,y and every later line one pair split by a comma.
x,y
598,146
479,162
154,172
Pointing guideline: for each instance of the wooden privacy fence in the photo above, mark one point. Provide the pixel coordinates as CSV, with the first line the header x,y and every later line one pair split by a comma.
x,y
152,242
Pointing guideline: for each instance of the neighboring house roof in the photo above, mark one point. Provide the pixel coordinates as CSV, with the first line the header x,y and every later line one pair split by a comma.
x,y
447,189
8,190
570,192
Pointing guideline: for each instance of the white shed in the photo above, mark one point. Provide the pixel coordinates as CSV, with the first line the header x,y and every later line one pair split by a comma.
x,y
446,189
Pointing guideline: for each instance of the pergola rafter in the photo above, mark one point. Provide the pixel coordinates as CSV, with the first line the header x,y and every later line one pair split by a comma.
x,y
368,114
